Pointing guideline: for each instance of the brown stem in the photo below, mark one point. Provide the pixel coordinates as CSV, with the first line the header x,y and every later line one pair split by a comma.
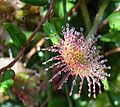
x,y
74,9
31,37
35,48
112,51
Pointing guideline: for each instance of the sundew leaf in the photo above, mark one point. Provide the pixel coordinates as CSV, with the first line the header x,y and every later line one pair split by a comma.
x,y
36,2
51,31
114,21
18,37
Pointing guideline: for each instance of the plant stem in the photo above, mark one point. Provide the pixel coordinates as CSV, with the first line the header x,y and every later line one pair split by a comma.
x,y
85,14
74,9
68,97
49,75
98,17
65,11
30,39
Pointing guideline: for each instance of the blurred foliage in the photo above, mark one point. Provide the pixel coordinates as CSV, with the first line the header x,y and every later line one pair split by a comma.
x,y
26,84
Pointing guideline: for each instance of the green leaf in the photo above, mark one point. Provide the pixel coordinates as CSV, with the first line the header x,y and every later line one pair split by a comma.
x,y
113,36
8,74
58,23
59,8
6,85
18,37
114,21
36,2
14,49
51,31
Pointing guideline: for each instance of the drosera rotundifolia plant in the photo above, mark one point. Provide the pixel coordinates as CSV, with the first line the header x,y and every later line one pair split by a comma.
x,y
60,53
79,57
